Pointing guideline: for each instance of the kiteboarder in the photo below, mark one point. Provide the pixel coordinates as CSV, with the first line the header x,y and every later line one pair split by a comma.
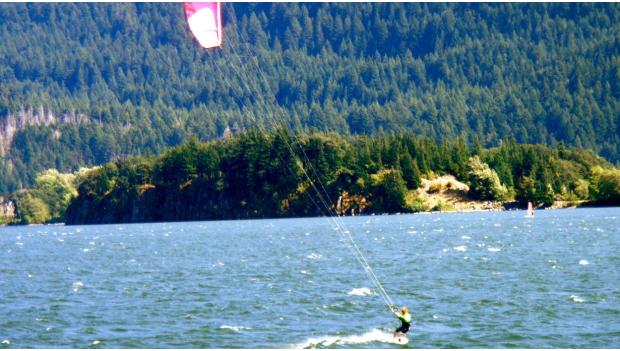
x,y
405,320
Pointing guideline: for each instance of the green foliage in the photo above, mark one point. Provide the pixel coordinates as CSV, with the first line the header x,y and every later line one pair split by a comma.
x,y
56,190
484,183
415,203
582,189
47,201
32,209
388,191
410,170
605,185
443,207
482,73
256,175
541,174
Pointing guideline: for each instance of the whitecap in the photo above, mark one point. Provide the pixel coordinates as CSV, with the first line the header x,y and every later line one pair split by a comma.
x,y
411,231
234,328
494,249
497,225
6,342
583,262
314,256
85,250
360,292
465,237
374,335
96,342
304,272
576,298
77,285
461,248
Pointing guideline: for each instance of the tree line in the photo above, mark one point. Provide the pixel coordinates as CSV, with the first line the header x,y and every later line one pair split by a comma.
x,y
266,175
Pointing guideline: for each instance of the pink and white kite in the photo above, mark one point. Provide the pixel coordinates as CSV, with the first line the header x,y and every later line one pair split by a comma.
x,y
205,22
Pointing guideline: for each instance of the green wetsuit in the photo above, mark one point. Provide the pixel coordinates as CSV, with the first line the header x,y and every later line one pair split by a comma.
x,y
405,320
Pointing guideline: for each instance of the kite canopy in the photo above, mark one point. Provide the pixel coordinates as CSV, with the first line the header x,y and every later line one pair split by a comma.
x,y
205,22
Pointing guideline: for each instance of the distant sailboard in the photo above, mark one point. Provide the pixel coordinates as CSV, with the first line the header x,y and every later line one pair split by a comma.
x,y
530,210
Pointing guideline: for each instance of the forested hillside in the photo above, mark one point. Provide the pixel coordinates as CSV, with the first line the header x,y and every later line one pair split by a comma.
x,y
83,84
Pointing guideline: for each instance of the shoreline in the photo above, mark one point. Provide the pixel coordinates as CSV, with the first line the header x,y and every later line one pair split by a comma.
x,y
302,217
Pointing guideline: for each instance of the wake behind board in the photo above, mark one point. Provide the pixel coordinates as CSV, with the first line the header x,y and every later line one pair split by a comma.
x,y
401,339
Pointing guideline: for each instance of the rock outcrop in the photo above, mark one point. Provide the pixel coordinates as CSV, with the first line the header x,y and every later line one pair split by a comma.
x,y
7,208
14,122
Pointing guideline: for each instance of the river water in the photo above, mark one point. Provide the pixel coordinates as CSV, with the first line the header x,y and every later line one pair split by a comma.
x,y
471,280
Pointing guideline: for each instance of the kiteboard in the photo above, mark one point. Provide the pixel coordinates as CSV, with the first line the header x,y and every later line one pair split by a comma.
x,y
401,339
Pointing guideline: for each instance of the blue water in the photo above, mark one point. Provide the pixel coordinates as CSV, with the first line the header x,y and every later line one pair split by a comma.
x,y
471,280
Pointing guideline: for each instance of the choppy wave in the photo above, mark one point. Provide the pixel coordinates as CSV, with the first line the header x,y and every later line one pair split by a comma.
x,y
375,335
361,292
583,262
234,328
77,286
576,298
314,256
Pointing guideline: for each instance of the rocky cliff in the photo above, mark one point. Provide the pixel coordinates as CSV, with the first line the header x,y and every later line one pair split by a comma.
x,y
14,122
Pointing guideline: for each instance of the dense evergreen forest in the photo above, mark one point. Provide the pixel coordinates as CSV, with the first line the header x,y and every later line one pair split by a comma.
x,y
257,175
84,84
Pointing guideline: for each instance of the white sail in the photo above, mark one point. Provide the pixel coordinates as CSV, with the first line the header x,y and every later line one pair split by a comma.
x,y
530,209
